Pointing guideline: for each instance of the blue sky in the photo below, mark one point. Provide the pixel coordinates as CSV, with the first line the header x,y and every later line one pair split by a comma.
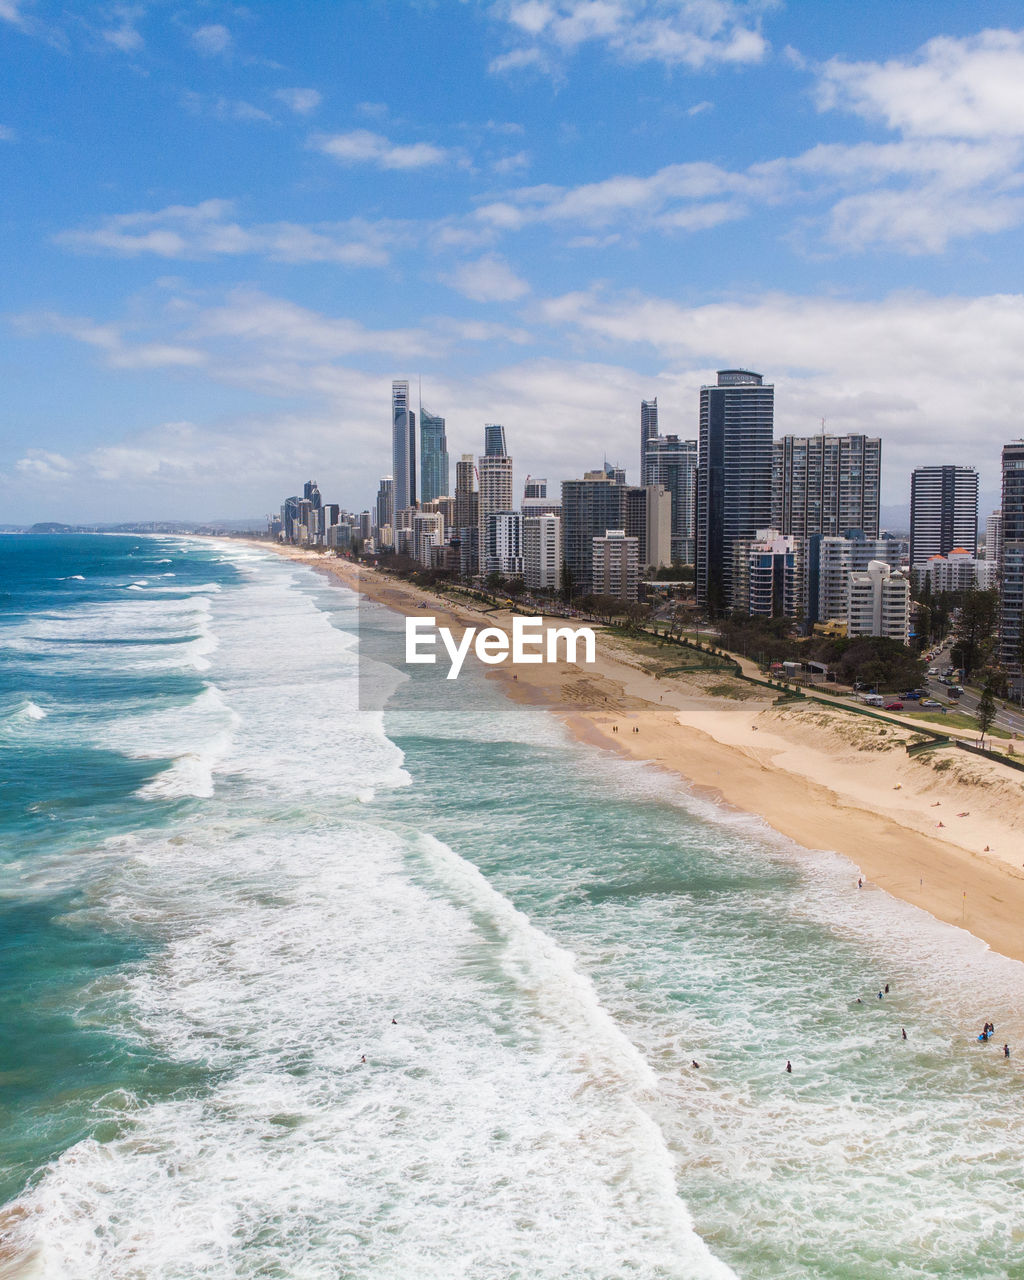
x,y
226,228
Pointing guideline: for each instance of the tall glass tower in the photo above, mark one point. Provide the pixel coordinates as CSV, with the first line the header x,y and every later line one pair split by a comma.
x,y
403,446
734,476
648,432
433,457
1011,566
494,440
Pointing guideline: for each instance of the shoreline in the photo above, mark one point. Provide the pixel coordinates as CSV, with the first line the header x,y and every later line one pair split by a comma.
x,y
806,771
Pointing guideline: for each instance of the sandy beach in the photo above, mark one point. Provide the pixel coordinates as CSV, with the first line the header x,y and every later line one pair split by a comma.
x,y
942,830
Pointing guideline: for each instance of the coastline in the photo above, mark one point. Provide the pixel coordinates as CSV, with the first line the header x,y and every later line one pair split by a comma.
x,y
822,777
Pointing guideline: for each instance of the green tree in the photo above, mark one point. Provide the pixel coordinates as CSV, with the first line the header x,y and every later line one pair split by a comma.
x,y
974,634
986,710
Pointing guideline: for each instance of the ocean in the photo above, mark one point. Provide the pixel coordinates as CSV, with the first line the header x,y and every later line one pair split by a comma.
x,y
244,849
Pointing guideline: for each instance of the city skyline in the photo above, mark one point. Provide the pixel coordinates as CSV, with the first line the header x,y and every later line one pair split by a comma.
x,y
224,240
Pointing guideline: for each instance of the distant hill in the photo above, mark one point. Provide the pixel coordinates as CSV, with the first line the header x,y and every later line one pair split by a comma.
x,y
50,526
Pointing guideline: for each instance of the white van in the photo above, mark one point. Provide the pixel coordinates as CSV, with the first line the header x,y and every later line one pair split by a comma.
x,y
872,699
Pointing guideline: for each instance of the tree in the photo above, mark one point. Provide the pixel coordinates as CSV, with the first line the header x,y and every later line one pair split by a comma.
x,y
986,710
974,634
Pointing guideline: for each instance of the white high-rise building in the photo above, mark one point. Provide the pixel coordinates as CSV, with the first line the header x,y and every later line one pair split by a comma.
x,y
879,603
542,552
502,551
994,537
494,470
427,532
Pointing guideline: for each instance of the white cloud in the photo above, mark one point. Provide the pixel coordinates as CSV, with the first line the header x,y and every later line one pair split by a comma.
x,y
6,133
691,33
489,279
41,464
10,11
212,40
302,101
207,230
295,332
923,372
363,147
125,36
968,88
512,163
110,339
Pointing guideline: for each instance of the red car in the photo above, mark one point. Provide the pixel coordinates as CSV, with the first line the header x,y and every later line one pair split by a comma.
x,y
894,706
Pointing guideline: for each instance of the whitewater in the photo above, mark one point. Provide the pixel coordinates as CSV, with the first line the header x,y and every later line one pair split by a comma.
x,y
319,967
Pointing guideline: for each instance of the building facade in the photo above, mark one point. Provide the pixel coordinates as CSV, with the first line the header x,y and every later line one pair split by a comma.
x,y
616,565
825,484
433,457
672,463
1011,566
403,446
767,575
590,507
495,475
648,432
879,603
828,563
542,552
734,476
943,511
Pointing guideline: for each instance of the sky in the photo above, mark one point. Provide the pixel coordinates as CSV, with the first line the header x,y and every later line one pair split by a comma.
x,y
227,227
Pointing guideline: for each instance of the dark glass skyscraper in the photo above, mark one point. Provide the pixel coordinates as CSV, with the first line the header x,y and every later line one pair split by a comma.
x,y
494,440
403,446
734,476
433,457
1011,566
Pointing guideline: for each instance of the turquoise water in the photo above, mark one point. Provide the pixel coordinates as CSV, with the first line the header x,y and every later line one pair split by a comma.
x,y
238,841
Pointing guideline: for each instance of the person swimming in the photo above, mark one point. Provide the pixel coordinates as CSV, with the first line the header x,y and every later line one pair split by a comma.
x,y
789,1066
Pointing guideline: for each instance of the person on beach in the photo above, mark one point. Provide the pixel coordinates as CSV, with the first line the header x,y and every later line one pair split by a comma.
x,y
860,883
881,995
887,988
1006,1050
789,1067
904,1030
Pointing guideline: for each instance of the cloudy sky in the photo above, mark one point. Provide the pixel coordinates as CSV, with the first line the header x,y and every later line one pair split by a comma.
x,y
227,227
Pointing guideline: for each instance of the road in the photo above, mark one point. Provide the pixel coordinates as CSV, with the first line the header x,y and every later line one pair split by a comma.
x,y
1007,717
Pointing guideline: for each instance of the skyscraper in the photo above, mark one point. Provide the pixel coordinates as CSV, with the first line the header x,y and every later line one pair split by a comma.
x,y
648,432
590,507
495,471
403,446
826,484
386,502
943,511
672,463
433,457
494,440
734,476
1011,565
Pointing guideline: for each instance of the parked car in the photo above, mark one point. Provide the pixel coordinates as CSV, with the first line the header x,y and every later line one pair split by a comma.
x,y
911,695
933,671
894,706
930,702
